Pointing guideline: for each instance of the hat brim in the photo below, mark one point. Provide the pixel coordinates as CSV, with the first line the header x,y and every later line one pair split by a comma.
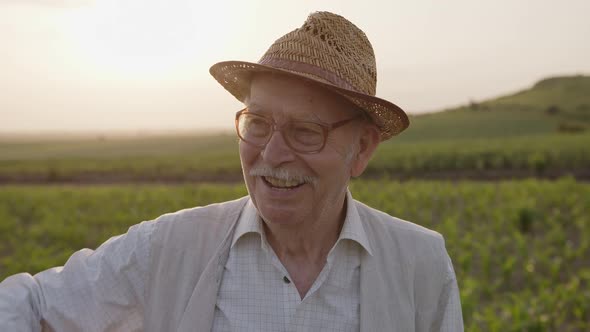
x,y
236,76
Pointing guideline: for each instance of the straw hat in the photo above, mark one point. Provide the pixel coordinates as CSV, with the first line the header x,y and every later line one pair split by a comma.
x,y
327,50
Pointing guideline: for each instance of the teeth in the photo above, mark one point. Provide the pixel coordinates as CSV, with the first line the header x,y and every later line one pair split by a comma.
x,y
275,182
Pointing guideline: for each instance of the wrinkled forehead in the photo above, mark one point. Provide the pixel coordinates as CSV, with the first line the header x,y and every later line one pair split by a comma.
x,y
286,96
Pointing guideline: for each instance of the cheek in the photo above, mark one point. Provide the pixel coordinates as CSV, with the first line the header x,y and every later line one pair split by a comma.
x,y
329,167
339,149
248,160
248,154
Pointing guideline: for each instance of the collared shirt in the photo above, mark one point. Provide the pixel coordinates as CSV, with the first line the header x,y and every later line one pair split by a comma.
x,y
256,293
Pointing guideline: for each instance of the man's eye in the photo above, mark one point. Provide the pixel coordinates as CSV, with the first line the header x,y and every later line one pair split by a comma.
x,y
255,122
307,134
258,127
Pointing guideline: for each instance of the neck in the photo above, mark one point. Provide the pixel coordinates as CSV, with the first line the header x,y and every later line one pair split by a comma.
x,y
310,241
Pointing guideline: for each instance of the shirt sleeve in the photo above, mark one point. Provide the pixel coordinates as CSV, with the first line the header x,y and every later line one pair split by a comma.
x,y
450,303
101,290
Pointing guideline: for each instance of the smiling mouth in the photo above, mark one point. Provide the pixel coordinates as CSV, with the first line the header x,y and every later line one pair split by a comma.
x,y
282,184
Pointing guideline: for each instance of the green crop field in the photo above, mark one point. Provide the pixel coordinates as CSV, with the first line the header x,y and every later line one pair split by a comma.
x,y
520,248
216,158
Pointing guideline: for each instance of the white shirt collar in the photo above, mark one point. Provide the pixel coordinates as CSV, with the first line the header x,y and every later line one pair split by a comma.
x,y
352,229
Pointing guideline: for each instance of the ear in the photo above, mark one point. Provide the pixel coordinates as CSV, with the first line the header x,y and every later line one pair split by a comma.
x,y
367,143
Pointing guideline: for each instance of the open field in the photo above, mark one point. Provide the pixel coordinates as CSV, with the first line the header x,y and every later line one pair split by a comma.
x,y
520,248
541,132
215,158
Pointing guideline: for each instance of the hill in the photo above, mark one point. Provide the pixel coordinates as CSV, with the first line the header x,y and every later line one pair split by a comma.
x,y
553,105
571,96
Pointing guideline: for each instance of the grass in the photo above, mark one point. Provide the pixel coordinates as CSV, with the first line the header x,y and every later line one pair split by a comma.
x,y
519,248
464,124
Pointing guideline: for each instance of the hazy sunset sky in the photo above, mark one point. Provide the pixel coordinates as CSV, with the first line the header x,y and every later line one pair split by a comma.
x,y
95,66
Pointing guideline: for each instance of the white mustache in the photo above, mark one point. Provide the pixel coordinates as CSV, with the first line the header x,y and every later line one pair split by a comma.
x,y
282,174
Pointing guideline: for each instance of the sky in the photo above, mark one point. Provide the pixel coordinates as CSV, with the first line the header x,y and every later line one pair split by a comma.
x,y
138,66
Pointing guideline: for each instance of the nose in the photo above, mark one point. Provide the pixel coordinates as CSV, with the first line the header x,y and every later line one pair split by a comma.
x,y
277,152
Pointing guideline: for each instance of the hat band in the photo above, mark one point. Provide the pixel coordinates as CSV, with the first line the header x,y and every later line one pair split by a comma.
x,y
307,68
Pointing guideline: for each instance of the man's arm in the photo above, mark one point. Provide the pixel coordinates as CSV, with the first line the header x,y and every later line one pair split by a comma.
x,y
19,304
450,314
94,291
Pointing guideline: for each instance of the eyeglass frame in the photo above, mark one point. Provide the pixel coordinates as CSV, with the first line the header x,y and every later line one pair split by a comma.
x,y
326,127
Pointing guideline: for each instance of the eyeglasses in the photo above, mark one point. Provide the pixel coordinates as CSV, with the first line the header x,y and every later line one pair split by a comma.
x,y
301,136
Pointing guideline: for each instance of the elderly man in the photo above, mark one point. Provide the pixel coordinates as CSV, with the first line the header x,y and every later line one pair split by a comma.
x,y
298,253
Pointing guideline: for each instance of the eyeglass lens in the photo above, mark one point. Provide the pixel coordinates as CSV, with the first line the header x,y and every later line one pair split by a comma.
x,y
300,135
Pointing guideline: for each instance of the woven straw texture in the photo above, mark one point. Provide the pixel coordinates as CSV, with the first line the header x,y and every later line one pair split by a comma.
x,y
327,50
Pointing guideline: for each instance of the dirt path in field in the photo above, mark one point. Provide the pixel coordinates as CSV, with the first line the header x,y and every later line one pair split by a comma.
x,y
118,178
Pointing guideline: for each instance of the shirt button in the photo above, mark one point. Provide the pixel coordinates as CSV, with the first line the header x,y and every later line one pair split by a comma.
x,y
286,280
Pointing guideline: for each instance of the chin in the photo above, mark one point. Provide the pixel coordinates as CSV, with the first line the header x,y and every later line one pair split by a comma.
x,y
279,215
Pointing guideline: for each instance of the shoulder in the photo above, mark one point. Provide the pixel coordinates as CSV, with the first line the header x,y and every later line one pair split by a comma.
x,y
386,226
204,214
402,248
396,242
203,222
